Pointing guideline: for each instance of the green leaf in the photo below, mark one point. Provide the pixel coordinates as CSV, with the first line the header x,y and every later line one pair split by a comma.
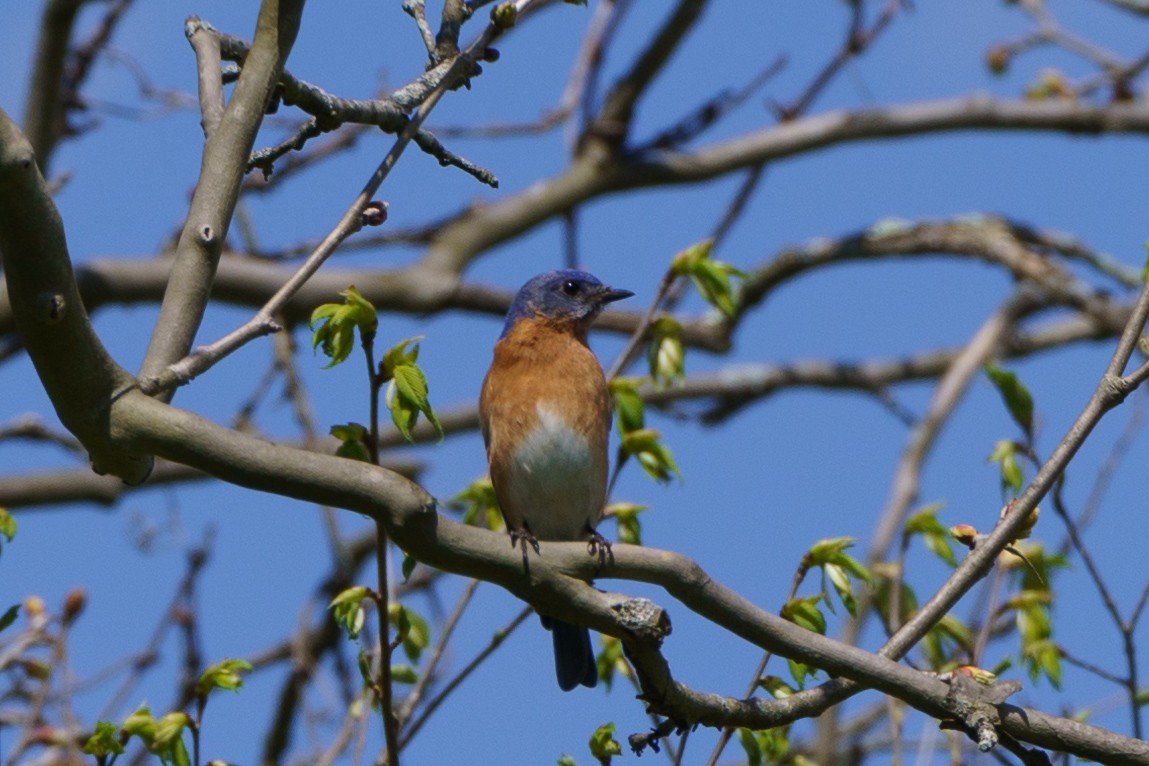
x,y
7,527
226,674
480,507
665,354
629,527
352,441
400,355
628,405
603,745
1044,658
687,260
347,609
838,567
333,325
169,728
925,520
407,394
829,550
710,278
9,616
161,737
609,661
841,582
7,524
1043,565
404,674
1016,396
654,457
804,613
411,629
750,746
801,671
363,662
1005,454
408,567
141,724
179,754
935,536
776,687
104,741
566,760
776,744
1003,665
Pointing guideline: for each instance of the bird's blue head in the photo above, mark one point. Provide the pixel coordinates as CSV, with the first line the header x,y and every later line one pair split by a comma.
x,y
569,299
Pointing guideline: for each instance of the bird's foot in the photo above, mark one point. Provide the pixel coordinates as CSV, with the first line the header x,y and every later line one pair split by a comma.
x,y
597,545
522,538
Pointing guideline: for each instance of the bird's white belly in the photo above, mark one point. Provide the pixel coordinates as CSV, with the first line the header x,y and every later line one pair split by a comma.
x,y
552,480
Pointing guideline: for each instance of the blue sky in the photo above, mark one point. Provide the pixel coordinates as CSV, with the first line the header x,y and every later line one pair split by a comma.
x,y
757,491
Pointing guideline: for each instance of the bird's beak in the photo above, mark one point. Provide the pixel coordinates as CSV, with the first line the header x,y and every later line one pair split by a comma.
x,y
610,295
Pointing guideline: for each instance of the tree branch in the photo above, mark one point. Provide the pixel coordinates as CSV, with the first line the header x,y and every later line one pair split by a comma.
x,y
44,109
216,192
80,377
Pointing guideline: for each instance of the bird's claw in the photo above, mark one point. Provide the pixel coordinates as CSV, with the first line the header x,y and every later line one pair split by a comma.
x,y
597,545
522,538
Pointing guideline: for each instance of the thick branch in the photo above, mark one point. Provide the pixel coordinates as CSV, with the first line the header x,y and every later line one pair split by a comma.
x,y
80,377
555,581
593,175
217,189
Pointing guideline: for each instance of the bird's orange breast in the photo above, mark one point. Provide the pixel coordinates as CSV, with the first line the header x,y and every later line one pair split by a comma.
x,y
546,419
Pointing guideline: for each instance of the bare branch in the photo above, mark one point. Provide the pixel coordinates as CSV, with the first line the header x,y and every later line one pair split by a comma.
x,y
44,109
73,365
205,42
613,120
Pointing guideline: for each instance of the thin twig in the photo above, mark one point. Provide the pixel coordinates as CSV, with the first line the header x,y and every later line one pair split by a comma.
x,y
434,703
430,668
205,357
205,42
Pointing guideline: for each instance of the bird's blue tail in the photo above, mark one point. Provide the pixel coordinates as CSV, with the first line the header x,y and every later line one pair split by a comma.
x,y
574,657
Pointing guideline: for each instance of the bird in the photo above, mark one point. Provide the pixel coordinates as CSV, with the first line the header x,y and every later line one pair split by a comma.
x,y
545,411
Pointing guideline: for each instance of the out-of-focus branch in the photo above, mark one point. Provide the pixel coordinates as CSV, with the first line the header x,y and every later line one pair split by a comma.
x,y
613,121
1140,7
593,175
983,347
26,491
858,39
252,282
43,109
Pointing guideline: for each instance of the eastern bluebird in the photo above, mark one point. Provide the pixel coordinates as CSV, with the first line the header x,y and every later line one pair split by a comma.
x,y
545,411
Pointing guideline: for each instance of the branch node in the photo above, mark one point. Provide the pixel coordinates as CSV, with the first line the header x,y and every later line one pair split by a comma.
x,y
975,705
50,307
643,619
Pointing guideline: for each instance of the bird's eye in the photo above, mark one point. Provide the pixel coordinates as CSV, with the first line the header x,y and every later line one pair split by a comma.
x,y
570,287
